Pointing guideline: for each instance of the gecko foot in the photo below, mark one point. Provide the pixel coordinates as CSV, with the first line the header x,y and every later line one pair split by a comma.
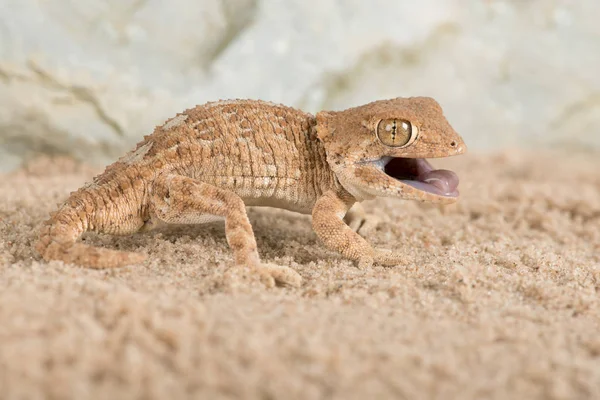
x,y
269,275
283,276
389,258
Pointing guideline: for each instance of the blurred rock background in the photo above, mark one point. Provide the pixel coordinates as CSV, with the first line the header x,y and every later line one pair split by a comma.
x,y
89,78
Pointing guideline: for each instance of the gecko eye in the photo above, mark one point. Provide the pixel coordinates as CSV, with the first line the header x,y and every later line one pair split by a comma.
x,y
396,132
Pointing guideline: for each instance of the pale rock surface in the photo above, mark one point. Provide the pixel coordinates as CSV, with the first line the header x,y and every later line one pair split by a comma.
x,y
88,79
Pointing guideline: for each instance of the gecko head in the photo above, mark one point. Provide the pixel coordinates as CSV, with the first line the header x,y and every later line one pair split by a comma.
x,y
380,149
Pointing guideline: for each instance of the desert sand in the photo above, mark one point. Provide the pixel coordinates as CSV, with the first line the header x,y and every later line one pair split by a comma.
x,y
499,298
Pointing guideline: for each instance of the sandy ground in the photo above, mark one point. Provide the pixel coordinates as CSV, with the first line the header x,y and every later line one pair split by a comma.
x,y
500,299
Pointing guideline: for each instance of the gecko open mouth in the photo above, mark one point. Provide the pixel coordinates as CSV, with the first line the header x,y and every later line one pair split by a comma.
x,y
419,174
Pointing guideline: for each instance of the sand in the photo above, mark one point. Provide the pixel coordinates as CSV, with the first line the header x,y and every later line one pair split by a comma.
x,y
500,298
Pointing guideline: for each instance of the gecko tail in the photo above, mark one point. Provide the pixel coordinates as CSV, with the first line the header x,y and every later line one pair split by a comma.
x,y
58,241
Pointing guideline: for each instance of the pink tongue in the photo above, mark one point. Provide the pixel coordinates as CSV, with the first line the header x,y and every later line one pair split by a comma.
x,y
444,180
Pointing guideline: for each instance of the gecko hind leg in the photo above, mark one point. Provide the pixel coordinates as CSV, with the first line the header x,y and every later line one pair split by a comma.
x,y
182,200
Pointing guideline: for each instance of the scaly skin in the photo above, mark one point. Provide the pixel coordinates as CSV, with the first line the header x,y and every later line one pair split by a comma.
x,y
211,161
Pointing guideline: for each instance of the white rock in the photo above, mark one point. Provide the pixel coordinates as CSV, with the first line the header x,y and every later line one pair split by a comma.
x,y
90,78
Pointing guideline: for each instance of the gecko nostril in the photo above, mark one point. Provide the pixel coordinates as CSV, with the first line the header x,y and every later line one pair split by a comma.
x,y
453,144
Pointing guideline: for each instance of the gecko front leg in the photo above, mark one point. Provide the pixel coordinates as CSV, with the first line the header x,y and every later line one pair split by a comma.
x,y
328,224
182,200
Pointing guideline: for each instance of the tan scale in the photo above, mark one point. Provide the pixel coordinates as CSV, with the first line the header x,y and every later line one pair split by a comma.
x,y
212,161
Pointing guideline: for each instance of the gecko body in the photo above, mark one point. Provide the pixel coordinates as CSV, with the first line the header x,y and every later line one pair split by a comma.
x,y
212,161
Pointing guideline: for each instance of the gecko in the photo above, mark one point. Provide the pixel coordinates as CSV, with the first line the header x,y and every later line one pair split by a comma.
x,y
210,162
